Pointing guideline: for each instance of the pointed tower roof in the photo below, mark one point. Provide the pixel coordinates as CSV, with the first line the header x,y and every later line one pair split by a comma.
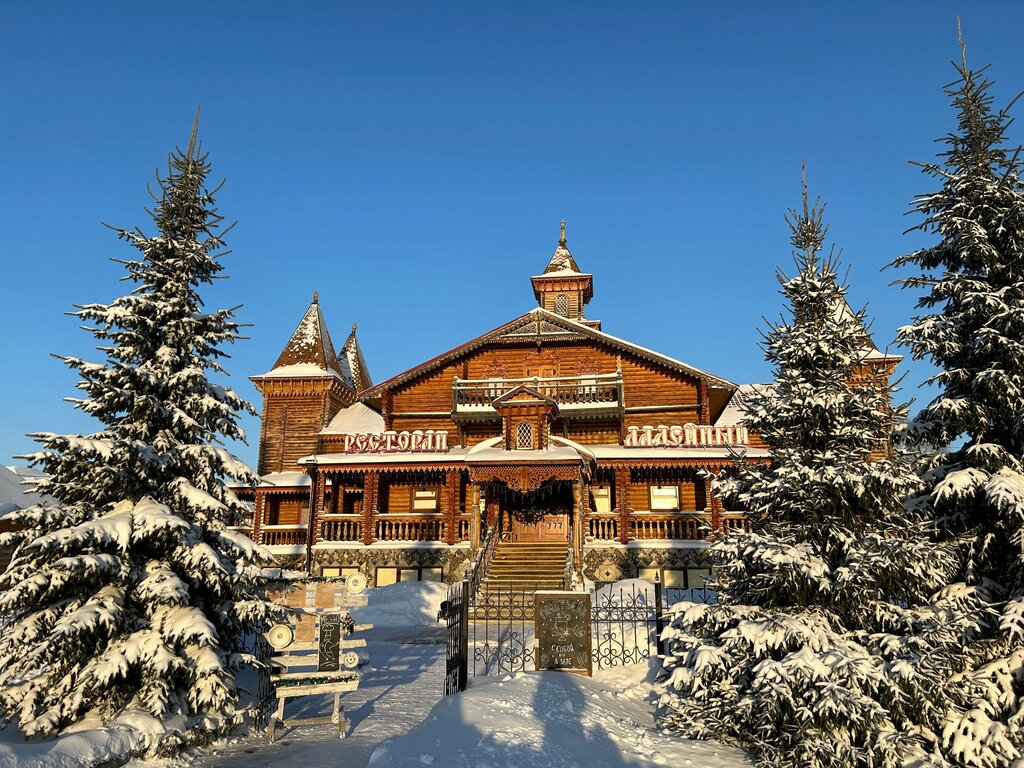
x,y
352,358
561,260
309,352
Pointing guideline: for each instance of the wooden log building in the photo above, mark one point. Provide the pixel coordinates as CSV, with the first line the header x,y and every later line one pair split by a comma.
x,y
544,450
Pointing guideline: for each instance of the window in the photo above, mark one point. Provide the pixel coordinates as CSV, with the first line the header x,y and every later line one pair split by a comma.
x,y
425,500
386,576
602,498
678,578
664,497
333,571
562,305
524,437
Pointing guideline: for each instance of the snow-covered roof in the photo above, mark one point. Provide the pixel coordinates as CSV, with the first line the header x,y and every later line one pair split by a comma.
x,y
709,452
352,356
735,409
14,492
358,418
386,457
564,326
285,480
309,351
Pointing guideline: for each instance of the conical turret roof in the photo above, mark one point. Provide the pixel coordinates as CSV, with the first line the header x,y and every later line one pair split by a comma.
x,y
309,351
561,259
352,358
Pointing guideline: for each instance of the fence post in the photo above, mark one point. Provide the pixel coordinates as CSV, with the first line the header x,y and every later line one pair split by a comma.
x,y
658,612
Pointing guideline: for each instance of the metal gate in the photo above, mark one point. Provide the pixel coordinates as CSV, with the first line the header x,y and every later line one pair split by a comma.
x,y
455,612
491,632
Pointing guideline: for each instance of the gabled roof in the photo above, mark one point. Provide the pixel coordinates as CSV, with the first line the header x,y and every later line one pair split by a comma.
x,y
309,351
541,324
513,395
352,356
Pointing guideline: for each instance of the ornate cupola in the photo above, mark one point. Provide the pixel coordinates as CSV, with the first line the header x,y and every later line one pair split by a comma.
x,y
563,289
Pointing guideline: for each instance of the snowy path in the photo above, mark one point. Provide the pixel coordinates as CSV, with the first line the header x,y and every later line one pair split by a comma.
x,y
407,681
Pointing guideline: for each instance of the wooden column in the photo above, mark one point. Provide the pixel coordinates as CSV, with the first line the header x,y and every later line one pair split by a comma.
x,y
316,499
716,508
474,525
580,497
259,508
622,497
452,497
370,482
703,408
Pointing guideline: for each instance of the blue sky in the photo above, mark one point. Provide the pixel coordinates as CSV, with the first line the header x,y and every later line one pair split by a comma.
x,y
411,162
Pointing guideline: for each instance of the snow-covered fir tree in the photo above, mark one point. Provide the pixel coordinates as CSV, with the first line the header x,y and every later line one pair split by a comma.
x,y
132,598
817,653
972,330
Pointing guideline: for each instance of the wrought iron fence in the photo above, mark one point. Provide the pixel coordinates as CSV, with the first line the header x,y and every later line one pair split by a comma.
x,y
491,632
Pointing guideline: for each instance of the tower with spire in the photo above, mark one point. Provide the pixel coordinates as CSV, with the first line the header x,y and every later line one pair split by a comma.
x,y
562,288
303,391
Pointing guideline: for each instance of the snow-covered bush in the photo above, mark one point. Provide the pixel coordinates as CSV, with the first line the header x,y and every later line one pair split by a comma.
x,y
817,653
132,593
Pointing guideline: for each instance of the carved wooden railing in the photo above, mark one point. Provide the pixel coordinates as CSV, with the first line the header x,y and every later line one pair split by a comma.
x,y
691,527
603,526
688,526
734,522
341,527
463,526
599,389
283,535
394,527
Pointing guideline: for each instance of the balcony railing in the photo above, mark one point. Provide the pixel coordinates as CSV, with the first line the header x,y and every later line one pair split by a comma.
x,y
601,392
341,528
687,526
603,527
283,535
394,527
245,530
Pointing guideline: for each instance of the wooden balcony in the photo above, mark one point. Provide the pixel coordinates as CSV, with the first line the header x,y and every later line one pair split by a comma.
x,y
603,527
283,535
577,396
734,522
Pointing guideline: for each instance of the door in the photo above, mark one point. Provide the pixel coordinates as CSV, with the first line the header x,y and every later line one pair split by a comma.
x,y
547,528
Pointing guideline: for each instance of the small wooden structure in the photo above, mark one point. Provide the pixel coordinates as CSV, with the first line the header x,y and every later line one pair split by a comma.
x,y
318,638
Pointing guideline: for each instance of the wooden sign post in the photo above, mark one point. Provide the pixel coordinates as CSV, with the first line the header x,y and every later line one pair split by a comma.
x,y
562,625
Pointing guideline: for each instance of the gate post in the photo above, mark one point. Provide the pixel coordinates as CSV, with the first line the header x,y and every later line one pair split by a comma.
x,y
464,636
658,613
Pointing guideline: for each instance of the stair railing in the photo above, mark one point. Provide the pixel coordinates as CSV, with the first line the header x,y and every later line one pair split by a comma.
x,y
484,556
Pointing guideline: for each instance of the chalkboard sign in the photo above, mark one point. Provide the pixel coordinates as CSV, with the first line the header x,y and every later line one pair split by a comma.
x,y
330,642
562,622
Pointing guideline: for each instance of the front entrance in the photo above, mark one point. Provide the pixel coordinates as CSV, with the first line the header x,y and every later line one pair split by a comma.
x,y
551,527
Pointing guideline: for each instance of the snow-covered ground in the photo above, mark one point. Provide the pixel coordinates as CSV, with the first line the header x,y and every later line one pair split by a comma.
x,y
398,717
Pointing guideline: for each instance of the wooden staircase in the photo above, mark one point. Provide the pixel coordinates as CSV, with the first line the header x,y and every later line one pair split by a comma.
x,y
526,566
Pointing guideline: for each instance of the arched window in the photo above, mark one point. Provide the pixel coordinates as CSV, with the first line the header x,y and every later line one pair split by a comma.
x,y
524,437
562,305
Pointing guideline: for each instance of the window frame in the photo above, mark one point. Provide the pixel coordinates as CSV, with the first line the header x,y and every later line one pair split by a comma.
x,y
651,497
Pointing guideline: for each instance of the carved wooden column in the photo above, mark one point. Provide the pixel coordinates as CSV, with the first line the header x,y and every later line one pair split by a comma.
x,y
452,487
370,482
703,408
259,508
716,508
581,500
474,524
316,498
622,497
